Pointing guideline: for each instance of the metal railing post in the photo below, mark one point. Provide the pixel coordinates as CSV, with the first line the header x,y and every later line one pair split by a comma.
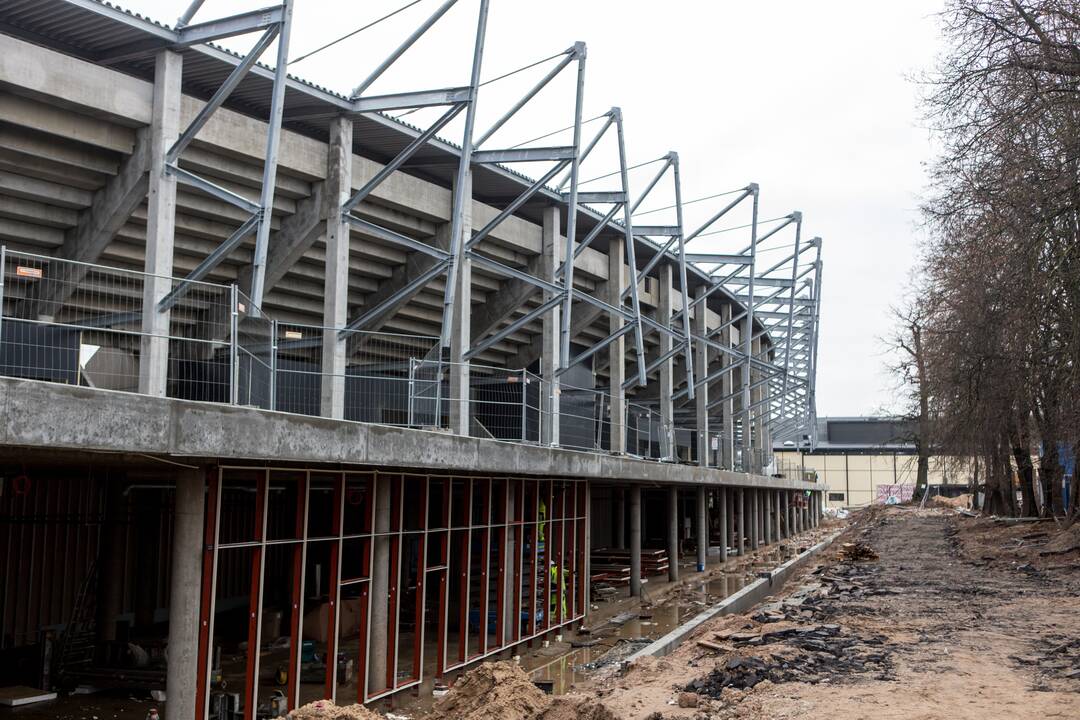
x,y
273,363
3,267
234,356
412,391
438,393
524,397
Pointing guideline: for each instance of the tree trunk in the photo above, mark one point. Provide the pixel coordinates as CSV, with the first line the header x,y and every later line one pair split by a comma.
x,y
1022,455
991,499
1008,489
975,485
1051,473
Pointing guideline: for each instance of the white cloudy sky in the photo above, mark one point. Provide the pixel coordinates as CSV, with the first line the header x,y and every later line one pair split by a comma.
x,y
812,100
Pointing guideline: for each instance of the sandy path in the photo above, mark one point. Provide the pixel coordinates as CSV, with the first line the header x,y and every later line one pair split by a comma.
x,y
962,631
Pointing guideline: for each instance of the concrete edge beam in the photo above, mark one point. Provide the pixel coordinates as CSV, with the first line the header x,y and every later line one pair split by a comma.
x,y
53,416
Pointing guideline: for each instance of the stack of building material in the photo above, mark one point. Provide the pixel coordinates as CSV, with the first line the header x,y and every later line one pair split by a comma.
x,y
612,565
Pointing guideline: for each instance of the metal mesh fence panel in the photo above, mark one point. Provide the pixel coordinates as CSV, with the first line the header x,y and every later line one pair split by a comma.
x,y
83,324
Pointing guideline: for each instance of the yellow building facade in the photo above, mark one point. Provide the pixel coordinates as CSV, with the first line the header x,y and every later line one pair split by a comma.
x,y
863,460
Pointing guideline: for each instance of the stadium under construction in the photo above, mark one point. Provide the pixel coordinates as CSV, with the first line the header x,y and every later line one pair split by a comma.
x,y
301,400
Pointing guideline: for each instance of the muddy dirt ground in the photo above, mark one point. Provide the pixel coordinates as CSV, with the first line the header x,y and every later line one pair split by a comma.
x,y
955,618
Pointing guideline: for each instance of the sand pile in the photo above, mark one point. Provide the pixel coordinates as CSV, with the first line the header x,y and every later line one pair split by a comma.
x,y
503,691
327,710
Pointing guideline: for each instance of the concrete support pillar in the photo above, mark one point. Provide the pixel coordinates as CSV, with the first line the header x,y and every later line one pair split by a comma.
x,y
619,526
336,281
757,414
380,587
780,533
635,541
702,528
730,500
755,519
551,253
727,382
160,225
509,590
701,370
725,525
617,282
799,525
663,314
587,570
794,512
674,532
461,330
185,589
740,541
766,511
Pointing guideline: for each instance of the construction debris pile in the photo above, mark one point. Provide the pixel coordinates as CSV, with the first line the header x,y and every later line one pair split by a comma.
x,y
791,641
799,653
857,552
1058,659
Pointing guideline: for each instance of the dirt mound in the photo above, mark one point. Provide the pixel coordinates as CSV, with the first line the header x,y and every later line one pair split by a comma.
x,y
493,691
960,501
327,710
577,707
1065,541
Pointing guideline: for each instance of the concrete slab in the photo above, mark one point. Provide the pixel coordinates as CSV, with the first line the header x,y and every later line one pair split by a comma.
x,y
53,416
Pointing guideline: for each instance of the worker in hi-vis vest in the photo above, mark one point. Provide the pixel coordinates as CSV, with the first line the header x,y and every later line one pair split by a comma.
x,y
558,579
541,516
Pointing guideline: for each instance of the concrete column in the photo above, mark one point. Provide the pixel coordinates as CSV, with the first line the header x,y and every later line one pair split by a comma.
x,y
380,587
635,541
702,528
617,282
794,513
663,314
185,589
336,281
509,588
674,531
767,515
740,540
160,225
619,526
587,570
551,252
724,523
701,370
757,414
729,501
727,382
780,533
755,519
461,330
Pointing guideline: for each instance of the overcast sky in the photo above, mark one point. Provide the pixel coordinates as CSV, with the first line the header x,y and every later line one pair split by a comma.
x,y
812,100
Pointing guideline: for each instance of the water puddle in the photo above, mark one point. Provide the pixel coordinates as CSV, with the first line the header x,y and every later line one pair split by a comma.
x,y
620,634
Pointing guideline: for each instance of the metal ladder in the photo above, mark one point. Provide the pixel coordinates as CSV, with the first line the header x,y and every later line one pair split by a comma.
x,y
77,644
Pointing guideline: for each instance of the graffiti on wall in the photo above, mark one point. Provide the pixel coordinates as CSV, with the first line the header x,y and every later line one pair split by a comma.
x,y
894,494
